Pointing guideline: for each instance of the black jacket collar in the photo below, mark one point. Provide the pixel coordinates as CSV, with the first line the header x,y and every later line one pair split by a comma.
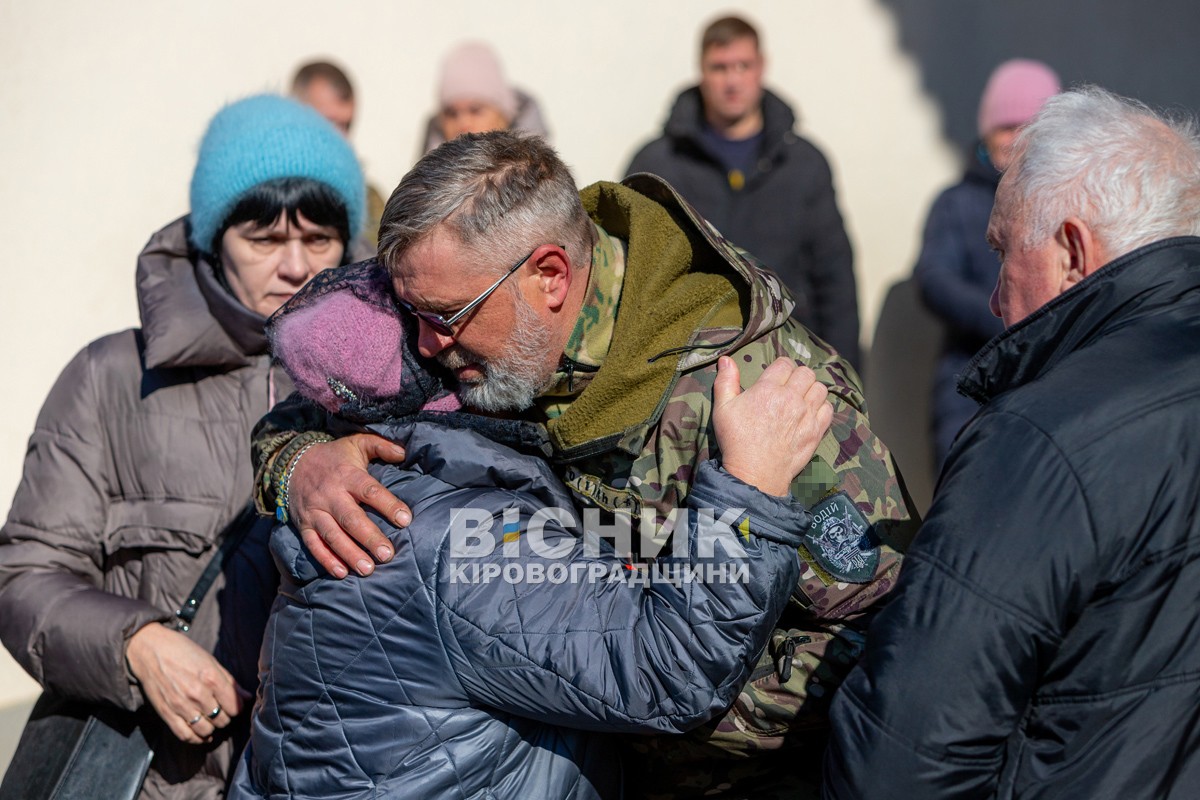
x,y
1145,281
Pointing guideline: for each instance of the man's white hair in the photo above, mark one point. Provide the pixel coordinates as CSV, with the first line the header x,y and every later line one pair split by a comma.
x,y
1131,174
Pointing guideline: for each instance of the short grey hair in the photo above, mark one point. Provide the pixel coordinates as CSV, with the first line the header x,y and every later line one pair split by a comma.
x,y
1131,174
500,193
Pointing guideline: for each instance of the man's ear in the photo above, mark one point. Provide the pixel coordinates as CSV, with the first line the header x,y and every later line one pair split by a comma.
x,y
554,274
1082,251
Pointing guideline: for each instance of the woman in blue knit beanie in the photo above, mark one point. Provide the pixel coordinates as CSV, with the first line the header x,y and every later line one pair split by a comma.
x,y
269,171
140,464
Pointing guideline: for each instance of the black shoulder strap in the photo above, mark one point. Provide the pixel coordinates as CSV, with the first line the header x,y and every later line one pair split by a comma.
x,y
233,535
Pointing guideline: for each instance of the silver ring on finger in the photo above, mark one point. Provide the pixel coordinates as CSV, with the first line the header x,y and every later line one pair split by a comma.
x,y
216,712
195,719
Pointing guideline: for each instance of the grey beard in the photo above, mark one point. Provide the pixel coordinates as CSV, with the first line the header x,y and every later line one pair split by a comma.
x,y
510,381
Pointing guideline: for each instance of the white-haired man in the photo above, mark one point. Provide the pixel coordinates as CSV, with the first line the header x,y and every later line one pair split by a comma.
x,y
1043,640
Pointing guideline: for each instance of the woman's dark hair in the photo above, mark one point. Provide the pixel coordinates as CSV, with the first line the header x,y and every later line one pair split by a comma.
x,y
262,205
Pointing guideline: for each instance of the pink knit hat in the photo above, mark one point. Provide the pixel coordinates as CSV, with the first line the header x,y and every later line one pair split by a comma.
x,y
472,71
1016,91
349,347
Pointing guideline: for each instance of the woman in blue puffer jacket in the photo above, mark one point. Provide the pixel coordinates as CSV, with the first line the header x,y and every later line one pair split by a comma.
x,y
489,655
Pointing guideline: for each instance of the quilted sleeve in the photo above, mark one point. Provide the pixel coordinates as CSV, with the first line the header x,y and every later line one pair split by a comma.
x,y
552,627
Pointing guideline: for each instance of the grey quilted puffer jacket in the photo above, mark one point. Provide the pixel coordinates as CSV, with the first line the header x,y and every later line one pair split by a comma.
x,y
423,680
138,461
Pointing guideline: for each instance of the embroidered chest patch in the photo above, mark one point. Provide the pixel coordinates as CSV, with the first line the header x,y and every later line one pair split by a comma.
x,y
840,540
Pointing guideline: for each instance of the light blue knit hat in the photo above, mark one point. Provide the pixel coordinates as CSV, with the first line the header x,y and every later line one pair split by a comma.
x,y
263,138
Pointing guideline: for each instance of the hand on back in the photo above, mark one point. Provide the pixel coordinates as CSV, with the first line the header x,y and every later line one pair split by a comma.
x,y
328,487
769,432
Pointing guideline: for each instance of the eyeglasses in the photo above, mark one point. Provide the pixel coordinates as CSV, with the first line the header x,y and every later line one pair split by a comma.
x,y
445,325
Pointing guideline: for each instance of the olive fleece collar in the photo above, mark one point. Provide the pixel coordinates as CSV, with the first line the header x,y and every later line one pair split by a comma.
x,y
676,285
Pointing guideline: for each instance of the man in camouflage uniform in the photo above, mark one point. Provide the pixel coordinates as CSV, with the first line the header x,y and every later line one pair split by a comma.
x,y
627,400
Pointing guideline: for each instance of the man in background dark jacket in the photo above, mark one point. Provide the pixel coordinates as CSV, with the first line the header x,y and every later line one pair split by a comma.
x,y
1043,638
729,147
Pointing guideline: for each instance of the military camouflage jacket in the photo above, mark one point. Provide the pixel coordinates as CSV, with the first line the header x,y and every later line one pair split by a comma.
x,y
631,441
634,437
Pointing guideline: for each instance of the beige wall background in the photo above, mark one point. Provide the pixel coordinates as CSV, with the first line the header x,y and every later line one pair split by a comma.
x,y
102,106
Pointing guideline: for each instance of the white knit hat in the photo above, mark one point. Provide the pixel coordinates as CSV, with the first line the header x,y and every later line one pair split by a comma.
x,y
472,71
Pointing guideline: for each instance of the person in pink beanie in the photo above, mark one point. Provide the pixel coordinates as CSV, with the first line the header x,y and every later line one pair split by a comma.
x,y
1016,90
474,96
956,269
343,342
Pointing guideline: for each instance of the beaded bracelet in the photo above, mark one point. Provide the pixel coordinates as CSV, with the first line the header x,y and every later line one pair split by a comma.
x,y
281,490
283,458
267,454
278,465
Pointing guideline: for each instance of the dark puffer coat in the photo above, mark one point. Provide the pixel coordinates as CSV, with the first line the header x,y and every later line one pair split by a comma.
x,y
138,461
424,680
1042,641
786,214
